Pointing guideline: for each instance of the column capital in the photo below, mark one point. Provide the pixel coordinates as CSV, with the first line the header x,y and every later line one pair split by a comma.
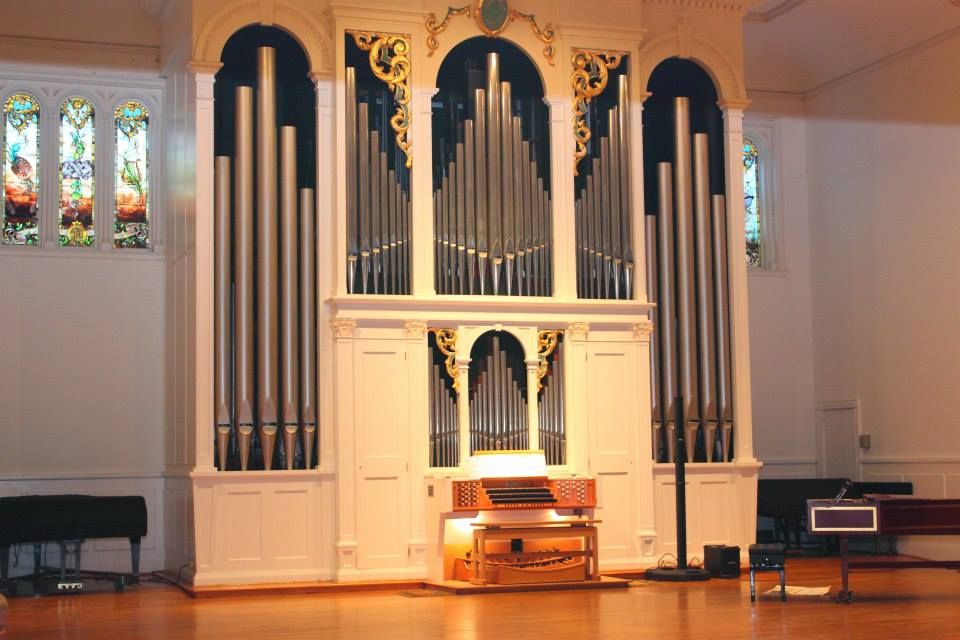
x,y
642,331
733,105
343,327
577,331
415,329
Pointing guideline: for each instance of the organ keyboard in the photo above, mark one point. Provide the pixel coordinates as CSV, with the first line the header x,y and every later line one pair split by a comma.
x,y
492,494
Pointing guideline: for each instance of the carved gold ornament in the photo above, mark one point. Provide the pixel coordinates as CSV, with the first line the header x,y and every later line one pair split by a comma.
x,y
546,344
591,72
447,343
492,18
390,62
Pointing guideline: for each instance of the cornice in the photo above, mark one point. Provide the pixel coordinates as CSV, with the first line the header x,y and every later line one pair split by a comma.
x,y
731,6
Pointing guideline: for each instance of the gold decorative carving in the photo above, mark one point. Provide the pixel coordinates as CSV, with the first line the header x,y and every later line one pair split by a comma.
x,y
591,72
390,62
447,343
546,344
436,26
547,34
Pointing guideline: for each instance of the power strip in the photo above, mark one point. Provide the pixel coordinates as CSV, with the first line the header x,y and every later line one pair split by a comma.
x,y
70,586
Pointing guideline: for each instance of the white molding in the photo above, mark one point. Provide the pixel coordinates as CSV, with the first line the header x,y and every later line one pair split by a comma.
x,y
909,460
56,476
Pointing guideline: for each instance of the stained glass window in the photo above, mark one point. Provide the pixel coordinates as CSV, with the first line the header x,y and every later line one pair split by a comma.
x,y
131,227
751,201
21,165
76,173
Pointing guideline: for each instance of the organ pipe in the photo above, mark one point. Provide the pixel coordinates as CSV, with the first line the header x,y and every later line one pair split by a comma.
x,y
308,322
243,228
650,238
222,305
683,196
724,372
289,334
704,292
267,377
666,306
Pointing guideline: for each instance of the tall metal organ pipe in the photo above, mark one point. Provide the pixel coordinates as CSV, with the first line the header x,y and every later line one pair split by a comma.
x,y
223,389
650,223
666,307
308,324
243,272
289,334
724,370
704,292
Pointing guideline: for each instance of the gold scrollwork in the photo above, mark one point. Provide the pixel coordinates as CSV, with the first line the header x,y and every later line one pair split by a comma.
x,y
390,63
436,26
447,343
547,34
546,344
591,71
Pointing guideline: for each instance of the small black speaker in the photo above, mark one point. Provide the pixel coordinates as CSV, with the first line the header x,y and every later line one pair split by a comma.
x,y
721,561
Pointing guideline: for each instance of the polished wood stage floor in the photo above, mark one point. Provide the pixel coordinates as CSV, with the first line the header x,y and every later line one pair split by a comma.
x,y
923,603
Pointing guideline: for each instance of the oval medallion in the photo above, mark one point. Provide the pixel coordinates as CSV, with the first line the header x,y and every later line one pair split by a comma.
x,y
493,15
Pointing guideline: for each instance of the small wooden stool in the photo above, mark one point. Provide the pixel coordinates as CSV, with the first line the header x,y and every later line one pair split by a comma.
x,y
768,557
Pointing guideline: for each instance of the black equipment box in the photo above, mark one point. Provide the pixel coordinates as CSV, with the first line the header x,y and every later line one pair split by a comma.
x,y
721,561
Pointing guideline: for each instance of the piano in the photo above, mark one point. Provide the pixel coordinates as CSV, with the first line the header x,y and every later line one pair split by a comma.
x,y
882,515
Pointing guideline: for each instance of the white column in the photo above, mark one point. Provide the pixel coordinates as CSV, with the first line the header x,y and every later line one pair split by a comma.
x,y
646,529
575,395
330,249
737,265
637,204
533,413
203,78
561,190
345,444
421,204
463,407
417,370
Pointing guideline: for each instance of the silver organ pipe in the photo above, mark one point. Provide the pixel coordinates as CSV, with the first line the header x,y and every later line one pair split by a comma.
x,y
652,295
267,377
377,197
687,247
602,206
724,371
686,316
289,316
308,324
550,410
666,306
222,306
444,423
498,398
271,383
243,215
704,291
491,205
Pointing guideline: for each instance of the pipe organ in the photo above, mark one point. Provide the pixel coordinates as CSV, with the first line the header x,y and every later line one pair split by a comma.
x,y
378,167
444,416
498,395
264,260
603,218
553,436
687,278
492,206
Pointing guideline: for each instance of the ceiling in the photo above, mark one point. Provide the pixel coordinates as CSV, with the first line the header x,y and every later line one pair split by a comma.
x,y
798,46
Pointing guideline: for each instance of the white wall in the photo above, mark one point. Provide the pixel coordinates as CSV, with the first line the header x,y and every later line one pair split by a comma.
x,y
781,330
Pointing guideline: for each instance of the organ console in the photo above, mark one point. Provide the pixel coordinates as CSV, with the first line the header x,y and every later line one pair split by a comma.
x,y
882,515
492,494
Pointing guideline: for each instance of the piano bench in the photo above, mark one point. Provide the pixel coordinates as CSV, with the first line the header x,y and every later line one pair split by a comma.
x,y
768,557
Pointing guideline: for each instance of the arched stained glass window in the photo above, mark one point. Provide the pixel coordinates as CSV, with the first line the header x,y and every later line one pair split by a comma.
x,y
76,173
751,201
131,227
21,167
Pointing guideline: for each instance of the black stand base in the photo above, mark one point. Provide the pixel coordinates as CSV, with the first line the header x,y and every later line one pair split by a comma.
x,y
677,575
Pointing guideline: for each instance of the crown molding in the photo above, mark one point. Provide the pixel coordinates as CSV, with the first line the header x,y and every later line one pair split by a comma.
x,y
777,11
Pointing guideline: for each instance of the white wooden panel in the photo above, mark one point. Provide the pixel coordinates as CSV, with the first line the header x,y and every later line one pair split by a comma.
x,y
616,533
287,524
242,531
382,433
716,512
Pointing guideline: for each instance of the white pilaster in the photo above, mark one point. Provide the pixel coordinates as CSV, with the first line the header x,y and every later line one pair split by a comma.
x,y
575,392
533,415
203,79
345,444
463,406
421,205
561,190
737,266
417,357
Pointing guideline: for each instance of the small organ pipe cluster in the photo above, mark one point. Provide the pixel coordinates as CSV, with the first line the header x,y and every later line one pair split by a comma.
x,y
498,400
605,261
265,375
378,204
444,417
687,252
553,439
492,206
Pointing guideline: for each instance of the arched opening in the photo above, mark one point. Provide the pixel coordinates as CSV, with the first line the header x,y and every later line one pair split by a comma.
x,y
687,275
491,173
498,394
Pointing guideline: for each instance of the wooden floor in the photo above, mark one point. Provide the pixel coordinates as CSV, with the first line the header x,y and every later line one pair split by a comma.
x,y
916,604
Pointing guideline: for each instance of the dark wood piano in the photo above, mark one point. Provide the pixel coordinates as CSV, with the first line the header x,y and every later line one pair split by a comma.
x,y
883,515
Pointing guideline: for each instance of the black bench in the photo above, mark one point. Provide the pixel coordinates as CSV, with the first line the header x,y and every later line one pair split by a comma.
x,y
69,519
